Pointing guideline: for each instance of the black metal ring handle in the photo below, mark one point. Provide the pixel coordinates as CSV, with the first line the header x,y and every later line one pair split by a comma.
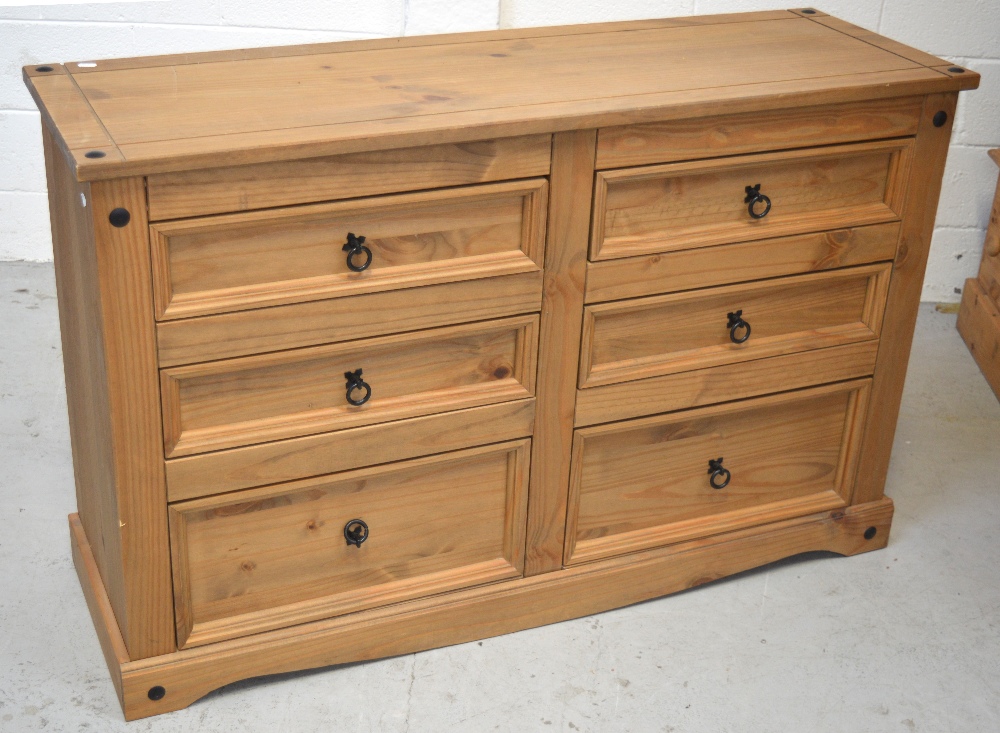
x,y
754,197
716,471
737,324
356,532
356,246
356,384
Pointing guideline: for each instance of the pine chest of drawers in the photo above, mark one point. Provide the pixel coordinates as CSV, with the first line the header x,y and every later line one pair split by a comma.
x,y
378,346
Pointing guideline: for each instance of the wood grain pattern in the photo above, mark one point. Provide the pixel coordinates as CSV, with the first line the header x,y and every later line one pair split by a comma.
x,y
979,325
501,608
254,399
219,190
674,140
724,383
701,203
559,346
266,558
646,337
259,330
98,603
102,278
725,264
930,149
643,483
249,108
240,261
345,450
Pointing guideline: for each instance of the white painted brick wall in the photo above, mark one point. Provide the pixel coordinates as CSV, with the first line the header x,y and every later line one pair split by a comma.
x,y
964,31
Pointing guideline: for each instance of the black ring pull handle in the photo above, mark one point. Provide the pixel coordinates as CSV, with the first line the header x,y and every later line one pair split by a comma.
x,y
754,197
718,476
355,247
356,384
739,330
356,532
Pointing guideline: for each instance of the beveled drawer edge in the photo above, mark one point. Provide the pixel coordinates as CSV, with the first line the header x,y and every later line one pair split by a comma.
x,y
869,327
191,634
528,258
725,383
859,391
734,134
739,262
280,461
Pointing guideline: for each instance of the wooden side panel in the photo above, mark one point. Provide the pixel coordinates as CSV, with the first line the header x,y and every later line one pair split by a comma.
x,y
633,277
498,609
296,325
979,324
708,137
703,203
241,188
646,337
919,209
134,396
738,381
87,398
103,276
254,399
277,556
571,184
239,261
643,483
344,450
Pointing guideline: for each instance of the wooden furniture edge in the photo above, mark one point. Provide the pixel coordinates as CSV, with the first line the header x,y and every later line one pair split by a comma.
x,y
281,145
103,616
485,611
979,326
564,283
930,150
437,39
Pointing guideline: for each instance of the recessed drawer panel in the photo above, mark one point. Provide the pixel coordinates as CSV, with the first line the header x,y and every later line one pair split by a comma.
x,y
286,554
647,337
678,206
240,261
657,480
304,391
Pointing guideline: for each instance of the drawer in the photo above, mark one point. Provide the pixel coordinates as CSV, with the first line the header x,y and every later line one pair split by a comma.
x,y
265,558
665,208
369,173
267,397
645,483
241,261
647,337
710,137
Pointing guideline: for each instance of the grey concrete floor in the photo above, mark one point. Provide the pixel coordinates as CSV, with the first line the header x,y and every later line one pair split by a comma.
x,y
905,639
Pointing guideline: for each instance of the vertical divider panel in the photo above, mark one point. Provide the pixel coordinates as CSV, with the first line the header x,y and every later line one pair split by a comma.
x,y
570,193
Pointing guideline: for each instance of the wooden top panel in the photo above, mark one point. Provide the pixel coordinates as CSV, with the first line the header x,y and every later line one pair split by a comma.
x,y
201,110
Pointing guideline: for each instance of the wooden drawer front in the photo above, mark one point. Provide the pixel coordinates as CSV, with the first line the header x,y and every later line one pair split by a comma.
x,y
225,335
267,185
709,137
643,483
679,206
647,337
260,398
634,277
272,557
238,261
